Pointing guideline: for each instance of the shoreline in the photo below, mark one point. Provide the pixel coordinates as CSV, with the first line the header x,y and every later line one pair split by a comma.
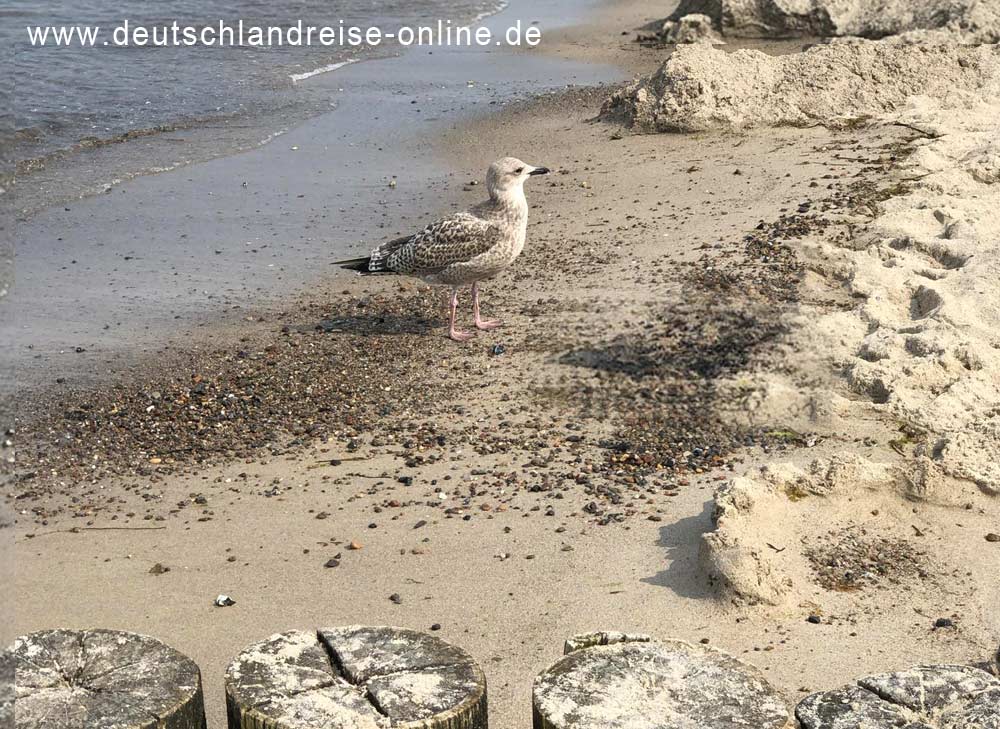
x,y
564,483
48,170
201,221
50,176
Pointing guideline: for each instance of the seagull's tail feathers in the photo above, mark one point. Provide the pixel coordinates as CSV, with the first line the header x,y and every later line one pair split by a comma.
x,y
377,262
361,265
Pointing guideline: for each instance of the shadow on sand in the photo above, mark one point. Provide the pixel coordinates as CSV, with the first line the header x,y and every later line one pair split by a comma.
x,y
374,323
682,542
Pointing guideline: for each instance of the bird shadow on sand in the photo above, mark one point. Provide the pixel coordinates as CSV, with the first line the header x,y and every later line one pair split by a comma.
x,y
682,542
373,323
619,356
705,342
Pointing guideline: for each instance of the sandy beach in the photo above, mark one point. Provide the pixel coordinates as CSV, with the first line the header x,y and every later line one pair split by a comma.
x,y
687,312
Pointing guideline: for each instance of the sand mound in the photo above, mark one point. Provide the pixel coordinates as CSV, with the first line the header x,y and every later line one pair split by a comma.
x,y
748,557
926,270
922,349
701,88
975,20
692,28
789,535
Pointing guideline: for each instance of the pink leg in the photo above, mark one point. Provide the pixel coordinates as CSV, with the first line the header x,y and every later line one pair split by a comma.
x,y
457,334
480,322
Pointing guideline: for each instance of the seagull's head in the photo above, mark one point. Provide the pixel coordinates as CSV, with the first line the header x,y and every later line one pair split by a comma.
x,y
508,175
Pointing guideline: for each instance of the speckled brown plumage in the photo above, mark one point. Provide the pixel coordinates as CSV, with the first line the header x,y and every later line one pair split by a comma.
x,y
465,248
455,239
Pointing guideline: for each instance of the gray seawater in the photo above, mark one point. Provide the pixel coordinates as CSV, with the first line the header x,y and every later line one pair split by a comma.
x,y
65,96
104,280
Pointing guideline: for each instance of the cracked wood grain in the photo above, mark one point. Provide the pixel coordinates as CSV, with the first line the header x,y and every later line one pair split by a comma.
x,y
103,678
617,681
355,678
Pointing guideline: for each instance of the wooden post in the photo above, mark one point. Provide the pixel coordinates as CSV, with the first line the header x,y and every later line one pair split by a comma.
x,y
355,678
67,679
612,681
959,697
6,689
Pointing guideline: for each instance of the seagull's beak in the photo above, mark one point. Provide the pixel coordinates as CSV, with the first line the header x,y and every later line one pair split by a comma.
x,y
539,171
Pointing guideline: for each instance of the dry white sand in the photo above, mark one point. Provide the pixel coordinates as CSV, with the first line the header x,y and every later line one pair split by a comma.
x,y
916,335
974,20
921,348
701,87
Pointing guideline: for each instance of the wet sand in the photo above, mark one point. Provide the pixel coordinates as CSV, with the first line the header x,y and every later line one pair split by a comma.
x,y
106,279
550,477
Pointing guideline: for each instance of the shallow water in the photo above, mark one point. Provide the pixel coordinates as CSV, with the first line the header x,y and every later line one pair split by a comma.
x,y
65,95
104,281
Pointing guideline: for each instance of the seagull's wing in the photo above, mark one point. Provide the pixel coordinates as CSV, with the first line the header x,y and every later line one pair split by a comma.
x,y
455,239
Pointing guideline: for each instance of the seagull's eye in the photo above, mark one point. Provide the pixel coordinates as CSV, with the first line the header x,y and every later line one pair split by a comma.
x,y
519,170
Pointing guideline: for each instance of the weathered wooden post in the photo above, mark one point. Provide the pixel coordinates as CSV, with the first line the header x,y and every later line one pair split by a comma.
x,y
87,679
956,697
6,689
614,680
355,678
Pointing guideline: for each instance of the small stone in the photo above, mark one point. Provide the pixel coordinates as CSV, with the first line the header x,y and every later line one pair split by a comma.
x,y
436,627
814,619
991,537
396,598
331,563
158,569
354,546
944,623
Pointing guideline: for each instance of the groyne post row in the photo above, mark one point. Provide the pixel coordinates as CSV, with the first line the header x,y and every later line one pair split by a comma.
x,y
360,677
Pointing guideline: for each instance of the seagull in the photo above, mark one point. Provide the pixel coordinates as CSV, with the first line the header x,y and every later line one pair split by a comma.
x,y
465,248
